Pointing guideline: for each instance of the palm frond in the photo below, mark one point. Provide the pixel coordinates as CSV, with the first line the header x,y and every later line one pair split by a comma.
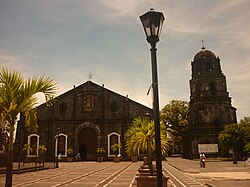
x,y
141,136
18,95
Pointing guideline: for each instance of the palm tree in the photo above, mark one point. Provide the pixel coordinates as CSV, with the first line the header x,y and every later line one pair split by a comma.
x,y
26,148
100,151
17,95
41,150
115,148
141,136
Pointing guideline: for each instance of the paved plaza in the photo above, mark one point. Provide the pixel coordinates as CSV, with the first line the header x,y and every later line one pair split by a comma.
x,y
217,173
94,174
80,174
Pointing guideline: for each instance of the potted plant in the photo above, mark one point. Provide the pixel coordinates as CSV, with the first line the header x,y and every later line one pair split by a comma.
x,y
141,136
100,151
115,148
26,150
41,150
70,155
134,158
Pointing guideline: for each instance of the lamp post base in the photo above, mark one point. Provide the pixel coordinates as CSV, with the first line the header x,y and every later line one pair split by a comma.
x,y
146,176
150,181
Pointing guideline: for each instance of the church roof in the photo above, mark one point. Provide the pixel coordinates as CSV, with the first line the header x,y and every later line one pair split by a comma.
x,y
90,86
204,54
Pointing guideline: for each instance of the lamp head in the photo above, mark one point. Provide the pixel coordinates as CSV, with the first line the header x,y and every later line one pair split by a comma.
x,y
152,23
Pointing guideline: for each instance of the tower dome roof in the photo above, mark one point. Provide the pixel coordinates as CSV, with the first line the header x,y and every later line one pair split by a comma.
x,y
204,54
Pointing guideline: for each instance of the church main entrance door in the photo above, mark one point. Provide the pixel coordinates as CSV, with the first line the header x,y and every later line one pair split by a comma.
x,y
87,144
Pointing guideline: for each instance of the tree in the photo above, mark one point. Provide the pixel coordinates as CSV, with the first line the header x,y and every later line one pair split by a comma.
x,y
247,147
41,150
100,151
3,136
26,148
236,137
17,95
141,137
175,117
246,122
115,148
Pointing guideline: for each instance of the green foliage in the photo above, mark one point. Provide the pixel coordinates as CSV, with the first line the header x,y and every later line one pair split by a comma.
x,y
70,151
141,136
100,150
247,147
115,147
175,117
25,149
245,121
41,150
236,136
18,95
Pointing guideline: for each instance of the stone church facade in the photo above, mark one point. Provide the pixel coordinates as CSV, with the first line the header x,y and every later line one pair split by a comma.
x,y
210,105
84,118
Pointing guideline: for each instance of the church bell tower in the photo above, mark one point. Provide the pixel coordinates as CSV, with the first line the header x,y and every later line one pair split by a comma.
x,y
210,104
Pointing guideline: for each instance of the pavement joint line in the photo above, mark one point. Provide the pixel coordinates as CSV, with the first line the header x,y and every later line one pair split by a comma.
x,y
132,182
43,179
175,178
116,173
30,182
85,175
34,181
191,178
27,183
172,183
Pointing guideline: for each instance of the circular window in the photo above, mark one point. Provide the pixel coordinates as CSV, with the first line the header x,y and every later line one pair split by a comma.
x,y
113,106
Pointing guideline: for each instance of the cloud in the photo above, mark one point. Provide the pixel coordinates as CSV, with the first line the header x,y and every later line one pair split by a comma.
x,y
68,39
64,11
13,61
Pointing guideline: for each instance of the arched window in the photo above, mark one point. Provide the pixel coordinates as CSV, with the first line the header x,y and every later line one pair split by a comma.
x,y
33,141
61,145
113,138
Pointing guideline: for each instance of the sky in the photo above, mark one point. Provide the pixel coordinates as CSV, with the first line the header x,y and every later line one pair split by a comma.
x,y
68,39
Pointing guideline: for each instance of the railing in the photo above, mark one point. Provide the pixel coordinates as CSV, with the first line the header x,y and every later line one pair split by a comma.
x,y
26,164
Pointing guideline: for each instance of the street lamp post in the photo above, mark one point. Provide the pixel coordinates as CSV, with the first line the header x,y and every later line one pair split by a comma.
x,y
152,23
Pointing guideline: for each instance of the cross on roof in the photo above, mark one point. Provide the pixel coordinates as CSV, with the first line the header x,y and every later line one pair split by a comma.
x,y
203,47
90,76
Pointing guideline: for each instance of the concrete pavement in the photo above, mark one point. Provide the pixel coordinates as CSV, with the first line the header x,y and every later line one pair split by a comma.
x,y
216,173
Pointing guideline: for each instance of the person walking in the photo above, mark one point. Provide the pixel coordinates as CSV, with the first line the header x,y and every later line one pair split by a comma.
x,y
77,157
202,159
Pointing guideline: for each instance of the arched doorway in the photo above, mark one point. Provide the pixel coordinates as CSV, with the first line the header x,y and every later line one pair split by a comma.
x,y
87,143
